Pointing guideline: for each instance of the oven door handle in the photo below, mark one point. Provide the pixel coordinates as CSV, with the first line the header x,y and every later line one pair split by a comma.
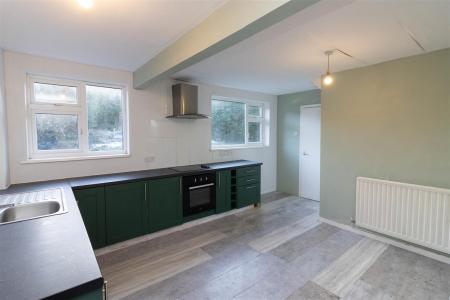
x,y
200,186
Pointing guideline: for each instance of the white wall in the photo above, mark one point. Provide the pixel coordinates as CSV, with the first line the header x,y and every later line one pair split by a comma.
x,y
4,171
167,142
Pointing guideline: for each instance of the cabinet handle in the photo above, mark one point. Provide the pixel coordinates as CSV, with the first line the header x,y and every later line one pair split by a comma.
x,y
248,180
105,290
145,191
251,187
219,180
181,190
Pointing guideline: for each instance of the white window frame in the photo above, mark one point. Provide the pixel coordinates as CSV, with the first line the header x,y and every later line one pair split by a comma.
x,y
80,110
262,120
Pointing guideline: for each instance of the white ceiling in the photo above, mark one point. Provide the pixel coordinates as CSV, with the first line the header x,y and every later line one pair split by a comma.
x,y
288,57
121,34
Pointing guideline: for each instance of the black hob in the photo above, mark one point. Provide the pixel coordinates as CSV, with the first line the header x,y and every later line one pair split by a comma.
x,y
189,168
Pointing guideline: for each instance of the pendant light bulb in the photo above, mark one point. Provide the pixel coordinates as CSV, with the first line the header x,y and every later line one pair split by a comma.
x,y
328,79
86,4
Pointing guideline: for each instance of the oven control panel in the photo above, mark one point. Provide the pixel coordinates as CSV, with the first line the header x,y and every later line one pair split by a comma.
x,y
199,179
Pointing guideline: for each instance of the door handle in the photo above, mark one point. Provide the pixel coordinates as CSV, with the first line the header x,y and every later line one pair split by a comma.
x,y
200,186
305,154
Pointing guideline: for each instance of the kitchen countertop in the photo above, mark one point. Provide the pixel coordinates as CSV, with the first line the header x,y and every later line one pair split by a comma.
x,y
92,181
52,256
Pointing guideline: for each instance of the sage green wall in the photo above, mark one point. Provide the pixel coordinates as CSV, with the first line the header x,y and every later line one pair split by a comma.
x,y
288,125
388,121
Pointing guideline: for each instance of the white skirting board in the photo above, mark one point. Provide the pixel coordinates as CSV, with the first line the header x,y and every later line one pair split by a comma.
x,y
439,257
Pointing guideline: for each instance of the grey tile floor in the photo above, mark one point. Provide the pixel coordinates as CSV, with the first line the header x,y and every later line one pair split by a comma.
x,y
278,251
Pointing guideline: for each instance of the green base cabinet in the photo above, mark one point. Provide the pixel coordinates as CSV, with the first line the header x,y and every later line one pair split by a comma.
x,y
248,195
94,295
91,203
223,191
118,212
165,203
126,211
248,186
248,171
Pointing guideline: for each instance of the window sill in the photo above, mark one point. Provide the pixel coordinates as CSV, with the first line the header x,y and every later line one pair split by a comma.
x,y
237,147
63,159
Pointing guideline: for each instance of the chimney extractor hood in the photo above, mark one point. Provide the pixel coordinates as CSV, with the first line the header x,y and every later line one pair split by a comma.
x,y
185,102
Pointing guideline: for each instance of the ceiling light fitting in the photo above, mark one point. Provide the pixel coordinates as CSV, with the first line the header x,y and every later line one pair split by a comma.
x,y
86,4
328,79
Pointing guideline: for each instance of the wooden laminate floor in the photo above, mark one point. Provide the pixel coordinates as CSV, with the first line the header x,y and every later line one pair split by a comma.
x,y
278,251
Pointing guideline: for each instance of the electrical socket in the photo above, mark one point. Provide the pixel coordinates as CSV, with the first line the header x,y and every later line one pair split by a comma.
x,y
149,159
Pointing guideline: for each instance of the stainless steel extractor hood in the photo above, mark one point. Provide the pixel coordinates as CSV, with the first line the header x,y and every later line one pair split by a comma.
x,y
185,102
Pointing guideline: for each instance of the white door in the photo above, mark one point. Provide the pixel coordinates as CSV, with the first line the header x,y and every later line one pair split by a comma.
x,y
309,185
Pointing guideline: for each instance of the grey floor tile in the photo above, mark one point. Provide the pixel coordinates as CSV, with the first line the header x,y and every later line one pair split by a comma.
x,y
273,196
284,233
406,275
235,270
312,291
171,239
340,275
249,228
226,256
302,243
293,275
282,280
362,291
238,279
317,258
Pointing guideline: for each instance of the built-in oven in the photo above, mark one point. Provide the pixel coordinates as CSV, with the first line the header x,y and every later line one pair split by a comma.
x,y
199,193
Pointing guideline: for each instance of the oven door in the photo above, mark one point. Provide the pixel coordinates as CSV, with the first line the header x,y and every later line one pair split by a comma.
x,y
199,198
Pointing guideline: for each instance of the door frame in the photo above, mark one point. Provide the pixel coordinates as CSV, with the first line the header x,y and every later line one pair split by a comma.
x,y
300,141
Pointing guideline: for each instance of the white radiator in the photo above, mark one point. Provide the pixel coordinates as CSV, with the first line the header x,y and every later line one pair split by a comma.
x,y
414,213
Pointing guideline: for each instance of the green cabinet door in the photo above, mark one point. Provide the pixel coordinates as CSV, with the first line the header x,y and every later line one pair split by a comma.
x,y
165,203
91,203
248,195
126,211
93,295
223,191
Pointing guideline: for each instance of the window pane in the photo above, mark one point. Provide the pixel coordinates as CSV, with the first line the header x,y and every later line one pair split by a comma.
x,y
105,118
254,111
52,93
56,131
254,132
228,122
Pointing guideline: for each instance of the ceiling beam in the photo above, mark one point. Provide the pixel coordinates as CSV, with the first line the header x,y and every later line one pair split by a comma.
x,y
232,23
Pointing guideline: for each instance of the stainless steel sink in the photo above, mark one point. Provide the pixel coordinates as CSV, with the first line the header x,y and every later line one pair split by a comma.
x,y
29,211
31,205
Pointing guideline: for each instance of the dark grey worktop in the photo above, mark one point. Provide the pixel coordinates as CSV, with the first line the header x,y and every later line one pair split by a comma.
x,y
49,256
97,180
52,256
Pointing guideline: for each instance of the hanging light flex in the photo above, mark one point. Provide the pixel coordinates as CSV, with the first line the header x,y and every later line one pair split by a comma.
x,y
328,79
